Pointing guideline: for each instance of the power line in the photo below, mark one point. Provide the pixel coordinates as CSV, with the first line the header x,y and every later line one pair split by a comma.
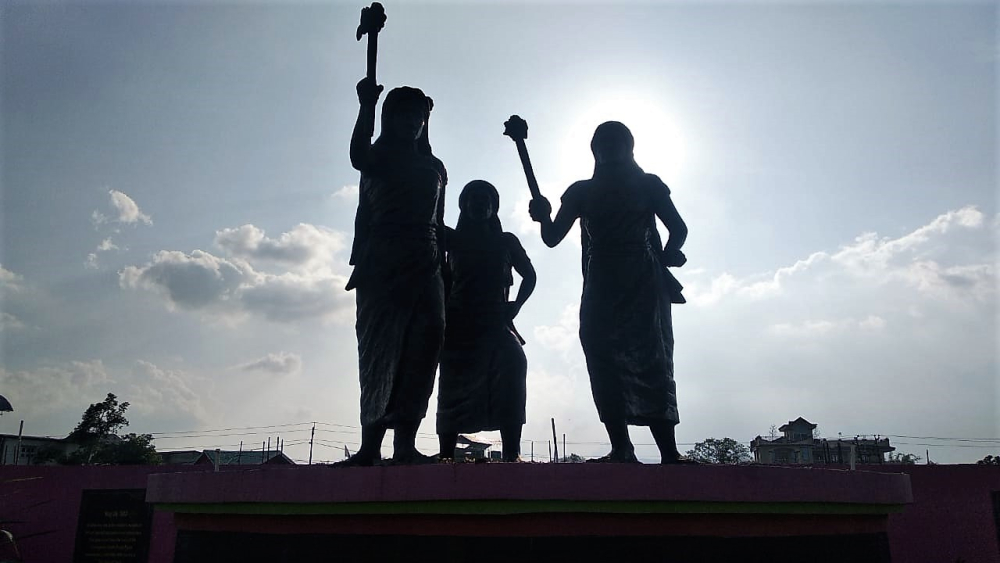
x,y
228,429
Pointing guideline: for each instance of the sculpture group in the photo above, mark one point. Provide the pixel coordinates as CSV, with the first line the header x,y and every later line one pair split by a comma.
x,y
429,295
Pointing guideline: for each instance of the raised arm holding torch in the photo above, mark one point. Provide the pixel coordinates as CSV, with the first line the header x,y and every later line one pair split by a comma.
x,y
517,129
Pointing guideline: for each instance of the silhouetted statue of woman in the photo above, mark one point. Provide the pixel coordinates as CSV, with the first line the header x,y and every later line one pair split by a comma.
x,y
398,257
625,324
483,369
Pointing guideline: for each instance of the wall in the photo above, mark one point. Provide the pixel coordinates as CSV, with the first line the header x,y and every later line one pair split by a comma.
x,y
951,519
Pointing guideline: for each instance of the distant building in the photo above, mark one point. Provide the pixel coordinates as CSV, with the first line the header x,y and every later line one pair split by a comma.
x,y
471,447
23,451
797,446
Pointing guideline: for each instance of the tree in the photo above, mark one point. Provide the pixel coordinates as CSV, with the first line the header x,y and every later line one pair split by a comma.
x,y
720,451
99,420
903,459
98,442
989,460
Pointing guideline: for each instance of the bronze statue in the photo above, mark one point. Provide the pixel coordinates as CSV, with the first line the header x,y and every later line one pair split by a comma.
x,y
483,368
398,259
625,322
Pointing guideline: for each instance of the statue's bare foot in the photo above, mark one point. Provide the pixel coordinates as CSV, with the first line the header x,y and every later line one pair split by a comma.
x,y
514,459
356,460
616,457
413,457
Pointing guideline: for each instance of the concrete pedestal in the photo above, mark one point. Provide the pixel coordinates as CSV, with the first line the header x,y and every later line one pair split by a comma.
x,y
500,512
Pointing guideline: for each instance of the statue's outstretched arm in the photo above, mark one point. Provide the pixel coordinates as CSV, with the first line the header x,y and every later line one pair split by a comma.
x,y
553,231
364,127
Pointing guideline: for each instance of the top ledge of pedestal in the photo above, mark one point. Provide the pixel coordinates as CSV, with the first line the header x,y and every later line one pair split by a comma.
x,y
531,481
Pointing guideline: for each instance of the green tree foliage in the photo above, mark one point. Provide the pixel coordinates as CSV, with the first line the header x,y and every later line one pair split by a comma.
x,y
100,420
989,460
724,451
99,443
902,459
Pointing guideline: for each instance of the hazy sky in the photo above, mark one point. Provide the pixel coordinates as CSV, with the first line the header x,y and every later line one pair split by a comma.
x,y
178,208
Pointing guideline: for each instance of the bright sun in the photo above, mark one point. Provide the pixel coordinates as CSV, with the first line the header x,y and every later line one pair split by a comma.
x,y
659,147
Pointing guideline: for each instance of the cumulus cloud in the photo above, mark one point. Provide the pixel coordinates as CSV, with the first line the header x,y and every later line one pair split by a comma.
x,y
235,287
190,281
164,394
563,335
812,328
52,396
835,337
305,246
55,387
280,363
924,259
91,262
348,193
9,322
290,297
10,282
124,210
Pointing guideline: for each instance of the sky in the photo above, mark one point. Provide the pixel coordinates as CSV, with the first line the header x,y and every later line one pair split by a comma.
x,y
178,203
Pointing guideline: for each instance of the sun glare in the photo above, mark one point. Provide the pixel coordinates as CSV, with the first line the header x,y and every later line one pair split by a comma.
x,y
659,146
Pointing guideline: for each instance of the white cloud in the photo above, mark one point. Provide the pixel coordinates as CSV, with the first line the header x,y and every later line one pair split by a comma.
x,y
565,334
128,211
125,211
304,247
51,397
918,259
107,245
190,281
233,286
349,192
10,322
278,363
834,337
520,219
822,327
290,297
872,322
164,394
10,282
56,387
91,262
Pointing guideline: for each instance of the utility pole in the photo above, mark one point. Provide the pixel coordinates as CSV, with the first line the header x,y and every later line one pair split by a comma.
x,y
555,440
311,435
17,452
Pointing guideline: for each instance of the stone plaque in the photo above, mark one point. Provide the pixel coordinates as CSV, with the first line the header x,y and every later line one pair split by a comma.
x,y
113,526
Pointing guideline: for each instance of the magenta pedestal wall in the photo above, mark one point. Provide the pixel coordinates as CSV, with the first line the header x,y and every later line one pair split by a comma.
x,y
951,517
584,510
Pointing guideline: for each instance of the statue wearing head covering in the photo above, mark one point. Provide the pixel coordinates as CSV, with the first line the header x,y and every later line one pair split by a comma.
x,y
625,319
398,256
483,368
